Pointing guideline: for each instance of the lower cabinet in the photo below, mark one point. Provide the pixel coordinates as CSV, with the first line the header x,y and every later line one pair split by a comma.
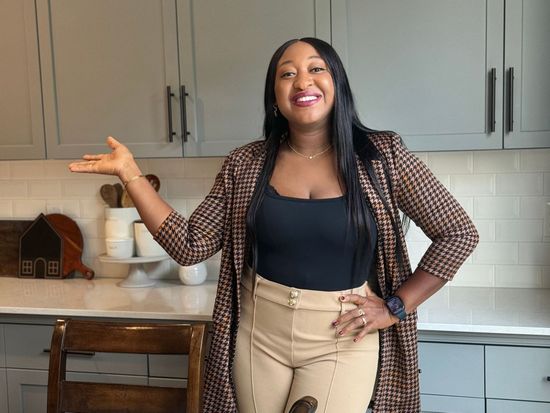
x,y
3,391
511,406
28,389
483,378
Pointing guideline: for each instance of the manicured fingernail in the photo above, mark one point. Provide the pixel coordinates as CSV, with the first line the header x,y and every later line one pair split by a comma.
x,y
335,323
341,332
342,298
355,340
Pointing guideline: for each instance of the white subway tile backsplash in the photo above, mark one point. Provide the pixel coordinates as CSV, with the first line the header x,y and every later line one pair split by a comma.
x,y
496,207
535,160
44,189
450,162
185,188
27,169
519,230
6,209
519,184
69,207
13,189
478,184
486,230
496,253
533,207
504,191
523,276
534,253
475,275
202,167
167,168
496,161
28,208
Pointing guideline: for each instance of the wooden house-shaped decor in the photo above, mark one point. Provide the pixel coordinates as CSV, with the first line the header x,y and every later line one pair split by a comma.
x,y
41,251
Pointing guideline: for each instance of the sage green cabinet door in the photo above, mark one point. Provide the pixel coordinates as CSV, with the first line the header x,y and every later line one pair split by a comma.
x,y
3,391
28,389
21,121
422,68
527,39
511,406
106,66
225,47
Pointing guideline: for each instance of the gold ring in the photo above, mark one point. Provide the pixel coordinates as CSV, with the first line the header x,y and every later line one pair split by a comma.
x,y
364,321
361,312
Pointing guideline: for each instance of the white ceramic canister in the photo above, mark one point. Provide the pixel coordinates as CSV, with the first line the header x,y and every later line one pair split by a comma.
x,y
193,274
146,246
120,247
119,222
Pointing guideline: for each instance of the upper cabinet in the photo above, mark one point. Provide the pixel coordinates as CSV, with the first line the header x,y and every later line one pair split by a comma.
x,y
106,69
225,47
21,122
526,65
433,71
158,73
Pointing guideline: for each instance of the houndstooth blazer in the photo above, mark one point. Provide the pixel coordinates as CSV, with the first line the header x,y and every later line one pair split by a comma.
x,y
219,223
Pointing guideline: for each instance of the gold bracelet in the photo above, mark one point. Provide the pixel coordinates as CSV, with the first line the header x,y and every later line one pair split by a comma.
x,y
133,178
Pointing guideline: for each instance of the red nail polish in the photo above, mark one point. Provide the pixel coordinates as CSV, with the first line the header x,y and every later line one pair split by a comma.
x,y
342,298
355,340
340,332
335,323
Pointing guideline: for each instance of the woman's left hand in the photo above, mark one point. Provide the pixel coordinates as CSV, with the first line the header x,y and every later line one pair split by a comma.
x,y
371,313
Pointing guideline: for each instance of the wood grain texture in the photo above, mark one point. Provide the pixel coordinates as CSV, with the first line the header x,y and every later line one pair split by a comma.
x,y
82,335
10,231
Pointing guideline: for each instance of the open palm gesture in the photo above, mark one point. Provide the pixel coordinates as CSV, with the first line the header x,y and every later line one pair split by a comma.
x,y
112,163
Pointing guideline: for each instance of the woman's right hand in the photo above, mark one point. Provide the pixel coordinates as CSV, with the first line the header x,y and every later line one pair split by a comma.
x,y
119,162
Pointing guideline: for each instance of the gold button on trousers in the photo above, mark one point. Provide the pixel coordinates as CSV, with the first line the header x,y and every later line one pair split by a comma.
x,y
287,348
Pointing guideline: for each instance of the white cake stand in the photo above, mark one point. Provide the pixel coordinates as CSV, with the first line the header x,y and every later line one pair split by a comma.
x,y
137,277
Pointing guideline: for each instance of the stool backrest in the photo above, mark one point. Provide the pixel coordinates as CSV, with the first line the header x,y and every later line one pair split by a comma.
x,y
306,404
113,337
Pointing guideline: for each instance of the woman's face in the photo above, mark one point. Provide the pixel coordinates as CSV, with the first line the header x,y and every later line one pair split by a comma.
x,y
304,89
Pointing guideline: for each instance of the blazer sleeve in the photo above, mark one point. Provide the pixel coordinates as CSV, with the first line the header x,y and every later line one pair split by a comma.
x,y
432,207
190,241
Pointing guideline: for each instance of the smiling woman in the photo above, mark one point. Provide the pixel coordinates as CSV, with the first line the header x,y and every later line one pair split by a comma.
x,y
316,296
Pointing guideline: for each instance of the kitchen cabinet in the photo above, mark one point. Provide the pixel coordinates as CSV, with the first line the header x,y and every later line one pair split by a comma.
x,y
518,373
28,389
433,71
21,121
24,362
483,377
107,66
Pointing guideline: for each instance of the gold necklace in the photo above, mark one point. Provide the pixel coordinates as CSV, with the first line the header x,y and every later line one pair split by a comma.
x,y
308,156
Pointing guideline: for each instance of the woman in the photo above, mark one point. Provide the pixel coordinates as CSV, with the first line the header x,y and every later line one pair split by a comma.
x,y
316,295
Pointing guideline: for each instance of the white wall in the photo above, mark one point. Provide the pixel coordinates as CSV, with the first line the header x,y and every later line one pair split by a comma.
x,y
505,192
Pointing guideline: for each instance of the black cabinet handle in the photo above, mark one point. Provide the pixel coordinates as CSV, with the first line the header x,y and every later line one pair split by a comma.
x,y
492,98
169,96
547,378
183,113
510,87
75,353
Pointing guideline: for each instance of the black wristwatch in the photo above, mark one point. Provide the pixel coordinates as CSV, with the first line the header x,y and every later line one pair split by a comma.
x,y
396,306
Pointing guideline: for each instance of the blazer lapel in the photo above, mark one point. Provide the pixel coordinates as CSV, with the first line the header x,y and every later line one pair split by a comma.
x,y
246,178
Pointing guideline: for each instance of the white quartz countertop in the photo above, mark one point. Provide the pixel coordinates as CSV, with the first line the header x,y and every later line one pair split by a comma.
x,y
453,309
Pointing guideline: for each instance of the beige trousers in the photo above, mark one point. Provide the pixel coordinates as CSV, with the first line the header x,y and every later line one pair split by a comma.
x,y
287,349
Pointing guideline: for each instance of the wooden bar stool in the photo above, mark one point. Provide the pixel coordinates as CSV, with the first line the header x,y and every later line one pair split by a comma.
x,y
110,337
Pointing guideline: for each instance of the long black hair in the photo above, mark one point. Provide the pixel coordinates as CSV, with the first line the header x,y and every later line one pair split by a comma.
x,y
348,137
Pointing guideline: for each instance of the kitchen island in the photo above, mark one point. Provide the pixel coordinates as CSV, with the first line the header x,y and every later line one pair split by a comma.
x,y
481,349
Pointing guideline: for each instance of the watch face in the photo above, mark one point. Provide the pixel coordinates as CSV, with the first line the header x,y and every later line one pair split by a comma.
x,y
394,304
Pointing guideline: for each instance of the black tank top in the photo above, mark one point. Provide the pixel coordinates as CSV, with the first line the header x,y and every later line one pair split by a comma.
x,y
306,243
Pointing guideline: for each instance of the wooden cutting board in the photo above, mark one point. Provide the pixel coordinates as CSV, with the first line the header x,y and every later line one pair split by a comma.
x,y
10,231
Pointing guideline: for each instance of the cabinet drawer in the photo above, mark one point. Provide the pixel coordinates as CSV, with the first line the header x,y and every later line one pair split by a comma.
x,y
172,366
511,406
25,345
449,404
2,352
518,373
162,382
3,391
451,369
